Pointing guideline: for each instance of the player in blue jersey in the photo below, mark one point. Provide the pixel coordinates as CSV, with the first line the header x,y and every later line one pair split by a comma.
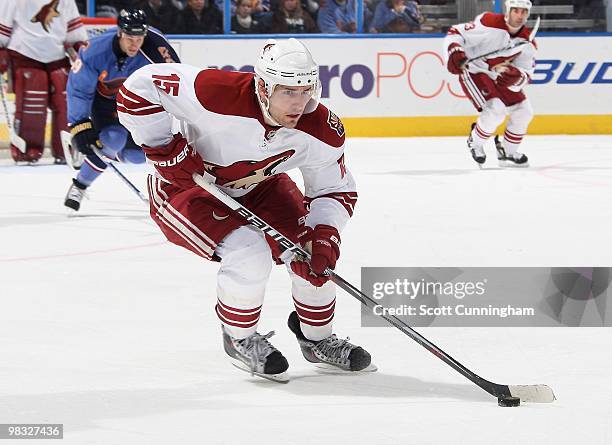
x,y
93,83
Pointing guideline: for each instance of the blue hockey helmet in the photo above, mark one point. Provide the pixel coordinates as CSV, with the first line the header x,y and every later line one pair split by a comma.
x,y
133,22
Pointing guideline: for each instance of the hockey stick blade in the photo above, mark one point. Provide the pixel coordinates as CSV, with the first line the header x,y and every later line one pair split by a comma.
x,y
18,141
66,139
14,138
533,393
534,31
527,393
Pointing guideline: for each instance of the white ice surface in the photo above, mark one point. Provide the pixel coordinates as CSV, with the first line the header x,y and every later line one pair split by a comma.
x,y
110,330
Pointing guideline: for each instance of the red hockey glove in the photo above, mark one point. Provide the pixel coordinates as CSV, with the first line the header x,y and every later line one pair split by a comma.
x,y
4,60
176,162
456,59
509,77
324,244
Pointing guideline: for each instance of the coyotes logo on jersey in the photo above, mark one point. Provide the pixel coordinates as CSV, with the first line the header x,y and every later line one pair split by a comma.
x,y
246,174
46,14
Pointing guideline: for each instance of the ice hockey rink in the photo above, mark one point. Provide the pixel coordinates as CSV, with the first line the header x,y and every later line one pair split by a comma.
x,y
110,330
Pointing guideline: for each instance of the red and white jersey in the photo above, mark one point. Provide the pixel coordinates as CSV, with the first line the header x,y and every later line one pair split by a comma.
x,y
219,114
489,32
38,29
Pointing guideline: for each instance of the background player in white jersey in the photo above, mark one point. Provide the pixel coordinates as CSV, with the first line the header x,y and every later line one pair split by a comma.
x,y
244,131
495,84
34,35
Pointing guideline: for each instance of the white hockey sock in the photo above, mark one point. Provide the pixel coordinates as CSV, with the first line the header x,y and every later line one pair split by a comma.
x,y
246,263
315,307
512,142
479,136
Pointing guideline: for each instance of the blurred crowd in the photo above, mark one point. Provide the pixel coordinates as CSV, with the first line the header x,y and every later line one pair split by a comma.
x,y
306,16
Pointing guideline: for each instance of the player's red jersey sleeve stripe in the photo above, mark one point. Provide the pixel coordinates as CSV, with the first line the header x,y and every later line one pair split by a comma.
x,y
74,24
140,112
131,103
347,199
453,31
5,30
133,100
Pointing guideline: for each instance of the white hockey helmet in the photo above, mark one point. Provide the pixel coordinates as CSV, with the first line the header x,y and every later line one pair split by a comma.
x,y
289,63
523,4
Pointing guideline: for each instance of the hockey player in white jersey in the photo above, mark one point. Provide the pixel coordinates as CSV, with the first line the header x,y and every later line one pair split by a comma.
x,y
494,84
34,35
244,131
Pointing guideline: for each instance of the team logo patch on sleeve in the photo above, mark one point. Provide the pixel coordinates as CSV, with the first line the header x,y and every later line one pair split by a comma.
x,y
335,124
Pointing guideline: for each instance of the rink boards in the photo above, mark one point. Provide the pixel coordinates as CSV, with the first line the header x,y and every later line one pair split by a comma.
x,y
400,87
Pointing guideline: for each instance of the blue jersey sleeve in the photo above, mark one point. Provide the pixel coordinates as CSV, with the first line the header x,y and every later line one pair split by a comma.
x,y
81,88
157,49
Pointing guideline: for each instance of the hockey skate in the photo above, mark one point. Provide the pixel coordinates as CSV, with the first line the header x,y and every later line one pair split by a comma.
x,y
477,153
331,352
256,355
516,160
75,195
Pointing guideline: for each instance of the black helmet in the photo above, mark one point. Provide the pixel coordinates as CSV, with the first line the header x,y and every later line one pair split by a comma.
x,y
133,22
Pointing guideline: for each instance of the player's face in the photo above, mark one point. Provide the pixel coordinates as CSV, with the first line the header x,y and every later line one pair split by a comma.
x,y
517,17
287,104
130,44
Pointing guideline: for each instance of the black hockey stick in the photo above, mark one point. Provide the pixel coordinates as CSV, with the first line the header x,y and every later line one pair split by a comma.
x,y
127,182
526,393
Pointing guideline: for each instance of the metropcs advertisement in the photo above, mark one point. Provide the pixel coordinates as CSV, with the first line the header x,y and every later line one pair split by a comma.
x,y
392,87
400,86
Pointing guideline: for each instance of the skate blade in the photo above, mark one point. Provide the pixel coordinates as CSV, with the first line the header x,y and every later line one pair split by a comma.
x,y
510,164
283,377
331,369
70,212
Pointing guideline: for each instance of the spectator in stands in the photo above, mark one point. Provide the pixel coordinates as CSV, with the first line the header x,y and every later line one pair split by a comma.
x,y
221,5
262,6
243,22
311,6
337,16
110,8
290,18
396,16
179,4
81,6
199,17
161,14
